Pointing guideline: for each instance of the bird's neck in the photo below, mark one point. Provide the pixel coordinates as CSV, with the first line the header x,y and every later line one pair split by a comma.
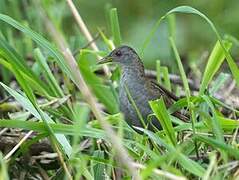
x,y
133,73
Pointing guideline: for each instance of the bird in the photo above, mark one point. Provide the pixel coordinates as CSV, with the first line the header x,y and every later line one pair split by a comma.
x,y
136,90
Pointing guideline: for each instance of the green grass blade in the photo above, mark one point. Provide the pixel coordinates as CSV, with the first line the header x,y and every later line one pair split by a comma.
x,y
219,82
162,115
215,124
3,168
172,25
231,62
97,85
131,100
15,61
38,113
47,73
41,41
106,40
184,161
213,64
228,124
215,143
166,79
189,10
98,168
115,28
57,128
158,71
232,39
181,69
149,37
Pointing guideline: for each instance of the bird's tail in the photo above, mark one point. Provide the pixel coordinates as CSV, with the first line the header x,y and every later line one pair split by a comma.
x,y
183,117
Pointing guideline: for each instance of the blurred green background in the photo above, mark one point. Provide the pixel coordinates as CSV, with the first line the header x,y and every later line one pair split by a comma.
x,y
136,17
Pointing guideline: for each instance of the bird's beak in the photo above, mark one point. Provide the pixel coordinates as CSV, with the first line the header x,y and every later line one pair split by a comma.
x,y
105,60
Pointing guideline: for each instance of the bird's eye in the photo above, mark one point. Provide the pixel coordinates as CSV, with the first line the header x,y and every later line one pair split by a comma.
x,y
118,53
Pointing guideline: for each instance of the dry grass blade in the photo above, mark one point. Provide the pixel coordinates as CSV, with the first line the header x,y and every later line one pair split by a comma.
x,y
161,172
18,145
3,131
91,100
86,32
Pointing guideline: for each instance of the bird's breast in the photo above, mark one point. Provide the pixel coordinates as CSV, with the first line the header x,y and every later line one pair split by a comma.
x,y
132,89
137,87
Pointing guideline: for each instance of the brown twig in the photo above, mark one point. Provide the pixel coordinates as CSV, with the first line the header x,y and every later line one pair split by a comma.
x,y
151,74
87,45
174,78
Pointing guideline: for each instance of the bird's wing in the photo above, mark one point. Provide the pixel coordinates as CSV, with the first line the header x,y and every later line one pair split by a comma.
x,y
163,90
168,99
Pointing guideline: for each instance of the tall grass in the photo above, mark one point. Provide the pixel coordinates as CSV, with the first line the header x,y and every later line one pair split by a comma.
x,y
52,107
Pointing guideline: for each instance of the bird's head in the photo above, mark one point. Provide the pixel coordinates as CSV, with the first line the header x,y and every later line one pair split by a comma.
x,y
123,55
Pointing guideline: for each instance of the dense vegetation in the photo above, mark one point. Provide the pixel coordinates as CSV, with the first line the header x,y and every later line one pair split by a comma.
x,y
59,109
